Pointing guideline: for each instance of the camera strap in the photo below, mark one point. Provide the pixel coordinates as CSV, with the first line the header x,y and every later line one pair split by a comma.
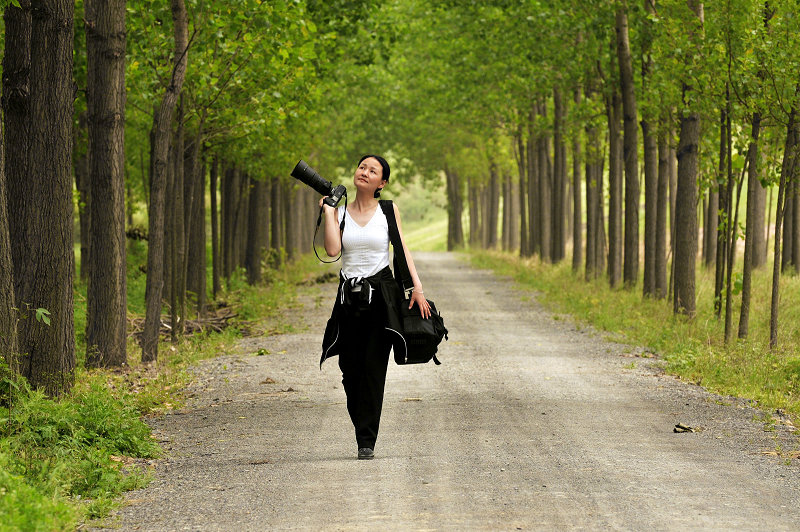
x,y
341,228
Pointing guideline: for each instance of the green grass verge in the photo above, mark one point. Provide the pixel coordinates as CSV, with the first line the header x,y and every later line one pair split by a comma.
x,y
694,349
66,461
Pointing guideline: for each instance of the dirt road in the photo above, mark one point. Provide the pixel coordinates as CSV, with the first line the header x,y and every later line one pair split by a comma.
x,y
530,423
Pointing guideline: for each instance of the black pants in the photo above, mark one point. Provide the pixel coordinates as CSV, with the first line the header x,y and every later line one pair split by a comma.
x,y
363,361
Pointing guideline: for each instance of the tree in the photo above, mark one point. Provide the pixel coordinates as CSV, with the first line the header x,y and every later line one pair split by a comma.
x,y
630,149
651,165
13,159
162,123
686,195
106,334
8,315
42,252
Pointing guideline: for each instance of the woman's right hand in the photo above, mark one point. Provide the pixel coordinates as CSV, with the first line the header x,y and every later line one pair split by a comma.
x,y
325,207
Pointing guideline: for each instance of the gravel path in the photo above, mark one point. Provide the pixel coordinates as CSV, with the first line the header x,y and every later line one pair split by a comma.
x,y
530,423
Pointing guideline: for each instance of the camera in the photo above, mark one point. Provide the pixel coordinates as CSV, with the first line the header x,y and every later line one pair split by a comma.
x,y
310,177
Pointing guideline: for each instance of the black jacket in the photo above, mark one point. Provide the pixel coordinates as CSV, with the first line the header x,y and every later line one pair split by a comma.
x,y
392,296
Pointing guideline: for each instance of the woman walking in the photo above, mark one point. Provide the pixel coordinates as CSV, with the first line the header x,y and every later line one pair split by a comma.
x,y
362,327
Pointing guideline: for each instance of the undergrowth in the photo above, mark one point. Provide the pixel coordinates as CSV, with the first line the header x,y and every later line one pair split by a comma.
x,y
693,349
68,460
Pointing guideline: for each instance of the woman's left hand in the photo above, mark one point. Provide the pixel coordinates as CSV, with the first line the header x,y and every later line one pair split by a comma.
x,y
422,303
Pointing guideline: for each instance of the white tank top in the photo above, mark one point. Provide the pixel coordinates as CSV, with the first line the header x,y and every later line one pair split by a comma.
x,y
365,250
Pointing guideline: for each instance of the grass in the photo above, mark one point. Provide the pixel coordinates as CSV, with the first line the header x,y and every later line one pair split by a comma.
x,y
66,461
695,349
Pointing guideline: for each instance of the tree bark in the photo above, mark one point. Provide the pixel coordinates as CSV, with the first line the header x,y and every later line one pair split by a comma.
x,y
615,185
662,200
533,172
80,160
577,221
196,271
455,231
162,123
788,169
630,150
276,223
559,179
650,143
256,234
684,263
44,192
178,310
106,299
750,240
8,314
545,191
215,245
722,216
493,206
13,165
520,153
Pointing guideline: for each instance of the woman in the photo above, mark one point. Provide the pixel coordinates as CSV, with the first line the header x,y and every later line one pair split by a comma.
x,y
362,327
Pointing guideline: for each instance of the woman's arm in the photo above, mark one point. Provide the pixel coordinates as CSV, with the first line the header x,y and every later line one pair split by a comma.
x,y
332,234
416,294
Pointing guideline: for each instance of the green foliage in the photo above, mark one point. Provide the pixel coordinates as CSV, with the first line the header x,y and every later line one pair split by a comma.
x,y
57,453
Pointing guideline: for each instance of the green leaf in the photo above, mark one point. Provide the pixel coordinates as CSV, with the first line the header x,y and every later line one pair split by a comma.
x,y
43,315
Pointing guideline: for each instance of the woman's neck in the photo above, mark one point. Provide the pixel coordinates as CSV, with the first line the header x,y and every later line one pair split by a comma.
x,y
363,202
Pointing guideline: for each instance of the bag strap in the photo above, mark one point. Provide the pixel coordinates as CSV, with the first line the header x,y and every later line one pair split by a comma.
x,y
401,272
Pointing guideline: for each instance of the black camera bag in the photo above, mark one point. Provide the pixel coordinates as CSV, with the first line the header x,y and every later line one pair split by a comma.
x,y
422,336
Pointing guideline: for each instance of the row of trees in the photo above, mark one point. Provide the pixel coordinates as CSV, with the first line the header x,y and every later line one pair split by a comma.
x,y
548,121
186,107
592,100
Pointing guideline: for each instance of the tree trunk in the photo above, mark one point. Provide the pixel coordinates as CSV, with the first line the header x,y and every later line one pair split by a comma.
x,y
787,171
615,150
630,150
662,199
577,240
493,207
256,234
216,263
14,165
196,267
524,240
750,240
178,229
276,222
684,263
506,228
8,316
559,179
545,192
686,215
594,205
455,231
80,160
162,123
44,192
759,224
721,216
788,222
106,299
532,161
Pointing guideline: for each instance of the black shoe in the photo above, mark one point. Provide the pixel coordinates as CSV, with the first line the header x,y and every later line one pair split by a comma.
x,y
365,453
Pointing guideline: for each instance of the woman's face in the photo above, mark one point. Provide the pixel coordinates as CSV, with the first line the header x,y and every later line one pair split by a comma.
x,y
369,175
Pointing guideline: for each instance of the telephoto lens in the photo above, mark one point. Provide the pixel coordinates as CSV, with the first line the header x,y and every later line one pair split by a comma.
x,y
310,177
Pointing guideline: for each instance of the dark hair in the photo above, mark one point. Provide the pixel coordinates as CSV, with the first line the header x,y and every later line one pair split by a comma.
x,y
383,163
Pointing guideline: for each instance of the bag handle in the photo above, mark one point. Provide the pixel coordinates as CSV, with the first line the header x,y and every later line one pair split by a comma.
x,y
401,273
